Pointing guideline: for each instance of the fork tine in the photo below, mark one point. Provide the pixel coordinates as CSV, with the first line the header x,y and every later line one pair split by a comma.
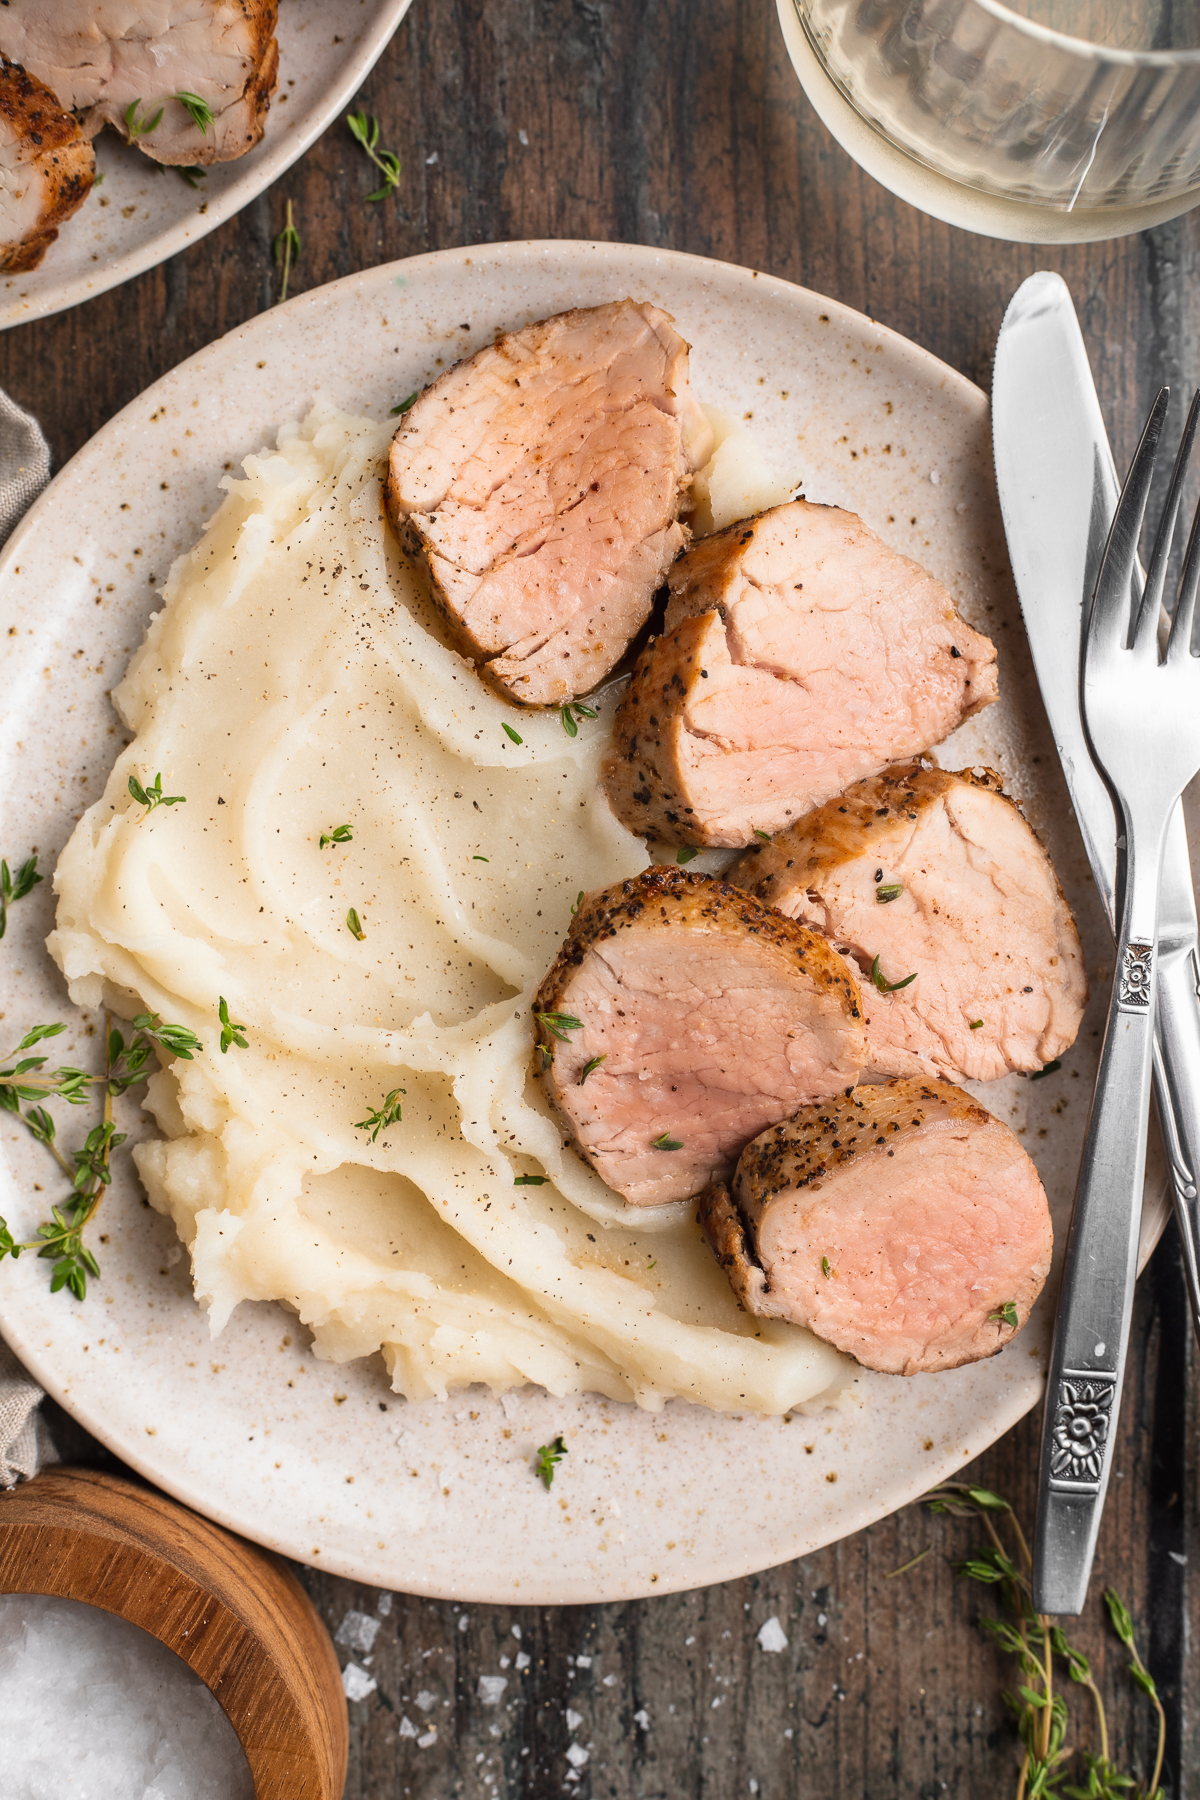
x,y
1180,641
1111,606
1145,635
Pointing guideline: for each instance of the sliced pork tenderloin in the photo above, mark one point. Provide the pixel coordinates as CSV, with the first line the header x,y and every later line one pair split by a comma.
x,y
680,1017
47,167
800,654
539,482
938,875
101,60
901,1223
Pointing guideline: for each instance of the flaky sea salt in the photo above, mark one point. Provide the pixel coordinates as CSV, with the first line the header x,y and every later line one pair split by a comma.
x,y
357,1631
92,1707
772,1636
357,1683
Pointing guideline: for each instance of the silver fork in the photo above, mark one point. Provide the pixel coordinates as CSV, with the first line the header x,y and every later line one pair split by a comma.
x,y
1142,716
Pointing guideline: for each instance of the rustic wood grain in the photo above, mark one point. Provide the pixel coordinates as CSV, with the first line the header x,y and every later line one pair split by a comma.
x,y
679,123
235,1615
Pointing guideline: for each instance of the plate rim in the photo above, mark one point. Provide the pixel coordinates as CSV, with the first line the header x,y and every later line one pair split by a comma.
x,y
1010,1405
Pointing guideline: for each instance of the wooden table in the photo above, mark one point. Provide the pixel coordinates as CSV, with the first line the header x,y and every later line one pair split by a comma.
x,y
680,123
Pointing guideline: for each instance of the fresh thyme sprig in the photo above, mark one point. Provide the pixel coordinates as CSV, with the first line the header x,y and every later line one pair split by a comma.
x,y
15,887
286,250
389,1113
548,1458
60,1238
571,713
340,834
589,1068
153,796
559,1024
136,128
198,110
192,173
364,129
1039,1708
884,985
231,1031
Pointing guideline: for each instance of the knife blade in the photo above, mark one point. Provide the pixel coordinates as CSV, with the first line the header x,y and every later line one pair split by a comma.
x,y
1058,491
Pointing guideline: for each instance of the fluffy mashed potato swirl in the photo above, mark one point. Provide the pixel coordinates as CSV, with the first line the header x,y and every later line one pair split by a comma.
x,y
296,681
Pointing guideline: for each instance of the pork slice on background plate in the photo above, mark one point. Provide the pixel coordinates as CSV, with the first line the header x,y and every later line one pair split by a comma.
x,y
101,57
901,1223
47,168
939,876
540,482
799,654
680,1017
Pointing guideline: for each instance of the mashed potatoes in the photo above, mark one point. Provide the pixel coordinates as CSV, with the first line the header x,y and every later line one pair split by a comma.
x,y
295,682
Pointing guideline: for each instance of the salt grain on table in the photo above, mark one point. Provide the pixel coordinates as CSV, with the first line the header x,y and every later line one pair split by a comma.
x,y
92,1707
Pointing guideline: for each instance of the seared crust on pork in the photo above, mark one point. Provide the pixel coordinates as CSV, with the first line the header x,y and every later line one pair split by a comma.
x,y
679,1012
800,654
901,1223
47,167
938,874
539,483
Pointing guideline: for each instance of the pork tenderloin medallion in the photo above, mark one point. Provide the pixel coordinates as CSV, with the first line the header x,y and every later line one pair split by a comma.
x,y
103,60
539,482
938,875
901,1223
680,1017
799,654
47,168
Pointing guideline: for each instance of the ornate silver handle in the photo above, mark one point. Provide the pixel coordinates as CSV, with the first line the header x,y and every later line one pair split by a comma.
x,y
1087,1363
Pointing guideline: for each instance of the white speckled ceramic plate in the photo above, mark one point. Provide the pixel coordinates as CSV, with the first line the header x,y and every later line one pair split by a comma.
x,y
326,1463
141,213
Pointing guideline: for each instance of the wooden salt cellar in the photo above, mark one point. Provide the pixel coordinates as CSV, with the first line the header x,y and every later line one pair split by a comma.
x,y
235,1614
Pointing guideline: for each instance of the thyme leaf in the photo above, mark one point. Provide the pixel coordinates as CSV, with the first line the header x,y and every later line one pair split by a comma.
x,y
192,173
405,405
153,796
364,129
136,128
529,1180
826,1270
764,835
885,986
666,1142
976,1025
548,1458
15,887
354,925
514,735
578,904
589,1067
231,1031
559,1024
198,110
1050,1068
389,1113
286,249
688,854
889,890
573,711
1006,1314
340,834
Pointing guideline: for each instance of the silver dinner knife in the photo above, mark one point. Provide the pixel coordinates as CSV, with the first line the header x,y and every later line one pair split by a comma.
x,y
1058,491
